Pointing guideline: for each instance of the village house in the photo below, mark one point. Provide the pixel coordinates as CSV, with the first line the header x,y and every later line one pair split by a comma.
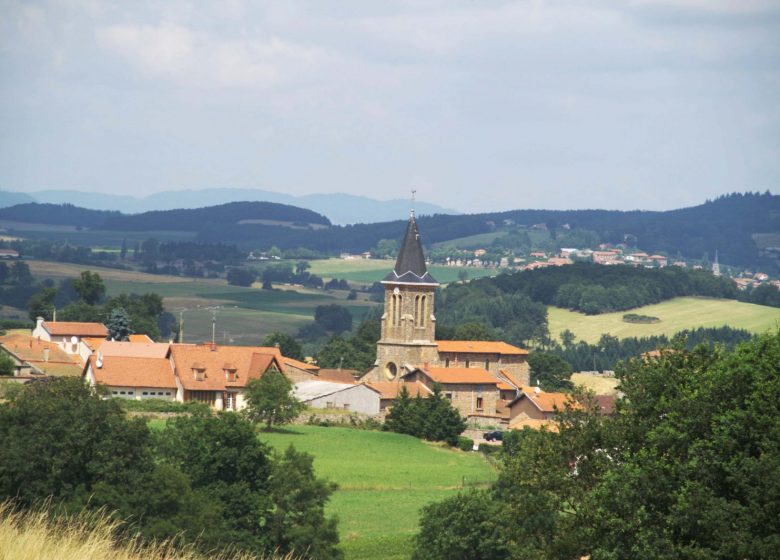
x,y
34,357
536,405
135,377
68,335
218,375
389,391
409,354
9,254
355,397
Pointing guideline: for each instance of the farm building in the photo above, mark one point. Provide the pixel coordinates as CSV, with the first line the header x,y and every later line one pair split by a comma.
x,y
357,397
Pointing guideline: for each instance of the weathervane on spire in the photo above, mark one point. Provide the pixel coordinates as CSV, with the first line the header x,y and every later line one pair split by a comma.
x,y
413,193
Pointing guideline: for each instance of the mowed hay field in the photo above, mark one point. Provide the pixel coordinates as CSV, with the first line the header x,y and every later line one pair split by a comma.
x,y
384,479
368,271
675,315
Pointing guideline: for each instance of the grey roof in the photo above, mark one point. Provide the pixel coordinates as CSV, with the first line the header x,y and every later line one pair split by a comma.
x,y
309,390
410,265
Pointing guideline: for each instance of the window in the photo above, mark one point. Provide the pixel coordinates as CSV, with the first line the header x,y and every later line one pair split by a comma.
x,y
448,396
145,393
329,405
391,370
447,362
230,401
121,392
114,392
468,363
167,393
346,406
487,364
479,403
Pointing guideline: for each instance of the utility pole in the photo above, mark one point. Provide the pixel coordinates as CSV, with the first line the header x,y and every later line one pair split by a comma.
x,y
181,326
213,325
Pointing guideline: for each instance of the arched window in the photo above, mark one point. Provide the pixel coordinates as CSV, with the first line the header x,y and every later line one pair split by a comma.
x,y
423,311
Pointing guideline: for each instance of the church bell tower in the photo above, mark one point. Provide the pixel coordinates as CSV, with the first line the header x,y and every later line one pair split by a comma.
x,y
408,323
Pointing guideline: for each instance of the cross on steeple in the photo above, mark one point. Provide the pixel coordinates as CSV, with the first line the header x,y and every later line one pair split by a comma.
x,y
414,192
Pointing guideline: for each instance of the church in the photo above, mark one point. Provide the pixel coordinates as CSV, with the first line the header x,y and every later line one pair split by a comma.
x,y
479,377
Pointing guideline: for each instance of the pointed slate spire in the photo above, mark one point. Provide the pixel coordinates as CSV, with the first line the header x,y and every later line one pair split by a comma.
x,y
410,265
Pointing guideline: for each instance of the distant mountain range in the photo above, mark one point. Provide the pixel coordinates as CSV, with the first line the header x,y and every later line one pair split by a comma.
x,y
339,208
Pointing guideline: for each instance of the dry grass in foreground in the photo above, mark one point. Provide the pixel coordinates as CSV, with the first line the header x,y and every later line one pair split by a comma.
x,y
32,535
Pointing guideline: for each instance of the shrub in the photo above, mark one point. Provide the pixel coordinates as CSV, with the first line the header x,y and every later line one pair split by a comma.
x,y
465,444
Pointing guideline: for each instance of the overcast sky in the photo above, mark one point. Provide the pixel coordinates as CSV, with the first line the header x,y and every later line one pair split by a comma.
x,y
479,105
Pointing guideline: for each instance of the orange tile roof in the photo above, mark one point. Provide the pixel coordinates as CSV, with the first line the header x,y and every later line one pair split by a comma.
x,y
479,347
123,371
134,349
511,378
461,375
250,362
521,422
67,328
390,389
505,386
546,402
338,375
140,338
30,349
93,342
299,364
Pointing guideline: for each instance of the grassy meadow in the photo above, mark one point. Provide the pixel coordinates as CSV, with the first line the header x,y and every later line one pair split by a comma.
x,y
675,315
384,479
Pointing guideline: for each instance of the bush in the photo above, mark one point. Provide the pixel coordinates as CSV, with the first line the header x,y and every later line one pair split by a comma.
x,y
161,405
465,444
640,319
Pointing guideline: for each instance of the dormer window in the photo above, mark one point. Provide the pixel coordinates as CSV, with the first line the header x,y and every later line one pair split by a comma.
x,y
231,372
198,372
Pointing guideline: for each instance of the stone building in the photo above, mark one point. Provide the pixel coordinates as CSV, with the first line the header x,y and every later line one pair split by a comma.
x,y
475,375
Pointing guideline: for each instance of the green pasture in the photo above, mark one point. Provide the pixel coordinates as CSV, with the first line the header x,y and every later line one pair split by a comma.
x,y
675,315
477,241
384,479
368,271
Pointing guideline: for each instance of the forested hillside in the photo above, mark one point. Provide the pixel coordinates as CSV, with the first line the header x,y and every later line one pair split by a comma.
x,y
727,224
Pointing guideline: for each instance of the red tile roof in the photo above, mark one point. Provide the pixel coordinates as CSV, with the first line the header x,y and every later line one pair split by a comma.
x,y
134,349
31,350
390,389
546,402
123,371
249,362
300,365
461,375
479,347
66,328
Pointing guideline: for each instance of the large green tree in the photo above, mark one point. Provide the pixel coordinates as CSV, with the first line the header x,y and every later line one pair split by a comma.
x,y
270,399
288,346
689,468
90,287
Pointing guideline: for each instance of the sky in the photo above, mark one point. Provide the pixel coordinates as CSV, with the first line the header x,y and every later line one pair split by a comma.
x,y
478,105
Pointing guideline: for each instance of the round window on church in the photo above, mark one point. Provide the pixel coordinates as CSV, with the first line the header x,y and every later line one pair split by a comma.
x,y
391,370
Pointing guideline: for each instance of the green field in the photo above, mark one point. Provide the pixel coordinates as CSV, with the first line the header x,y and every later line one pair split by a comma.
x,y
368,271
675,315
245,315
384,479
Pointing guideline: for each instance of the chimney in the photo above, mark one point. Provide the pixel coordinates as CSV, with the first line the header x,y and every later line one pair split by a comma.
x,y
213,347
425,365
46,354
99,360
276,345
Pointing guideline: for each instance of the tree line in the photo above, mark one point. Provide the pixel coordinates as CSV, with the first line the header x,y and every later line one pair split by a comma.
x,y
203,480
688,468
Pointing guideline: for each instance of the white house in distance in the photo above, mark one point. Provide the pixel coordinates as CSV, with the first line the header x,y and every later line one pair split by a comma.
x,y
68,335
357,397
